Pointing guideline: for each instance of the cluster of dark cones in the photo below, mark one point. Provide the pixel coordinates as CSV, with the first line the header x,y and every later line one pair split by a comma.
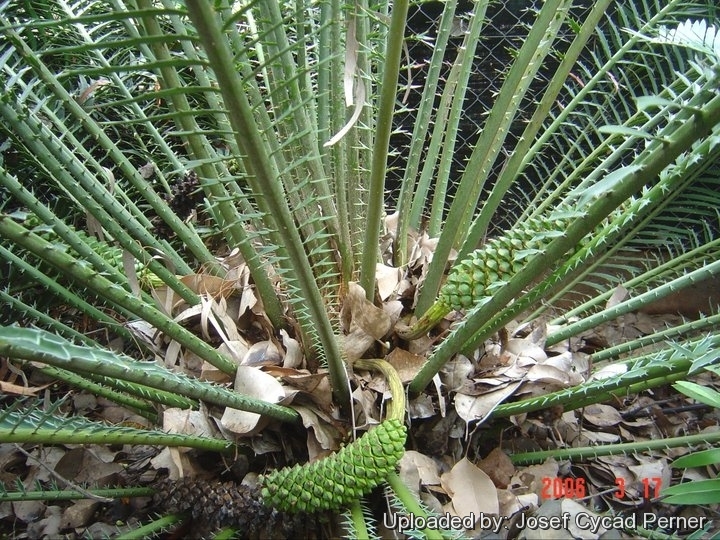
x,y
214,505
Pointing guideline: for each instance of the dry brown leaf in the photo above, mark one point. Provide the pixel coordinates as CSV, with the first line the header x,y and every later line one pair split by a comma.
x,y
471,491
393,309
79,513
364,323
235,349
366,400
557,511
644,422
148,170
128,264
600,437
618,295
388,236
208,372
422,251
608,371
647,324
420,346
530,479
421,407
359,312
248,301
574,510
456,372
27,511
187,422
526,348
322,430
654,471
216,312
491,383
419,470
316,385
49,526
498,467
405,363
209,285
303,380
511,503
618,467
211,313
563,362
376,382
240,273
146,333
390,224
388,279
577,365
20,390
252,382
293,351
263,353
601,415
474,408
177,464
173,355
548,374
112,413
91,89
83,466
512,366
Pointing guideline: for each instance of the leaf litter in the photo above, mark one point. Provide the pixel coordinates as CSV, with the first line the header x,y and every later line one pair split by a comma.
x,y
456,462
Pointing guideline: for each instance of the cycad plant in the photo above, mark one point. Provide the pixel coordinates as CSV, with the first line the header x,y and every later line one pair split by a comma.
x,y
182,180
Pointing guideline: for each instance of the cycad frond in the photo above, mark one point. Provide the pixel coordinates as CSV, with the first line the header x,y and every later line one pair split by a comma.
x,y
623,68
132,98
27,422
682,136
46,348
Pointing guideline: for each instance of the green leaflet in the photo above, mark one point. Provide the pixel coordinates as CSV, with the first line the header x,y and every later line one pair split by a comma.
x,y
335,481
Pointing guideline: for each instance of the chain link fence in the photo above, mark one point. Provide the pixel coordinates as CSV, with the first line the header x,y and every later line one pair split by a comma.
x,y
507,25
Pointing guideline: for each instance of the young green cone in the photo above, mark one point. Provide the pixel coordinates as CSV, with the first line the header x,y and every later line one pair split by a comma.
x,y
471,281
335,481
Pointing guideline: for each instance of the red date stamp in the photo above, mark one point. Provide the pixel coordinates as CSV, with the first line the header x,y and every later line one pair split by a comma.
x,y
651,487
576,488
563,488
